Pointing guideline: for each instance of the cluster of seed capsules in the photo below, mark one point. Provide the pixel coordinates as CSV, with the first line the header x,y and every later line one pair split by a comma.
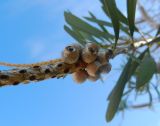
x,y
96,61
83,62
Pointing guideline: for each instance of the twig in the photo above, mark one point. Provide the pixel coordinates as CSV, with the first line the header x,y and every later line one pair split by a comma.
x,y
30,65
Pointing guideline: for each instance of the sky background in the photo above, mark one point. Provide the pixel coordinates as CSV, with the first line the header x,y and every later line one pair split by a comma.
x,y
32,31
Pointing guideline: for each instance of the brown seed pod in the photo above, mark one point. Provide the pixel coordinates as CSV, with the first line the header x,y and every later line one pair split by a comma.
x,y
71,53
90,52
59,67
105,68
93,79
80,76
92,68
109,54
102,58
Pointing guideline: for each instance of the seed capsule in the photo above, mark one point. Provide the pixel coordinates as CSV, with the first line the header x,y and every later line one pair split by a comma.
x,y
105,68
92,68
71,53
59,67
102,58
109,54
90,52
93,79
80,76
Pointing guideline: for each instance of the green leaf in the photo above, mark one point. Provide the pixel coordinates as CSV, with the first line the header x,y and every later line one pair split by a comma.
x,y
81,25
101,26
145,72
121,17
110,5
101,23
108,24
131,10
75,35
98,21
157,90
122,105
134,58
134,64
124,29
88,37
104,8
158,31
117,92
124,20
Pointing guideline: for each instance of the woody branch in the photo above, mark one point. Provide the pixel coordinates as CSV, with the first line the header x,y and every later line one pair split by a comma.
x,y
62,67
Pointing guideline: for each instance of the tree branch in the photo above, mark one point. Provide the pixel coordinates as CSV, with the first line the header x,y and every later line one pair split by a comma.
x,y
38,73
25,73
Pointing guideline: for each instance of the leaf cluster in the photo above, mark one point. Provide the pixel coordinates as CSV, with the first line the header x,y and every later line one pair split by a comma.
x,y
140,67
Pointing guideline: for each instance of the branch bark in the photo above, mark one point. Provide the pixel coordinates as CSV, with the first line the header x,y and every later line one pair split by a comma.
x,y
38,73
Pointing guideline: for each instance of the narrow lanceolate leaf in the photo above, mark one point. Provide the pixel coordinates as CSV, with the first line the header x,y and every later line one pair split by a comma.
x,y
109,35
110,5
136,63
104,8
132,70
98,21
88,37
158,31
131,10
117,92
121,17
79,24
107,24
101,25
145,72
75,35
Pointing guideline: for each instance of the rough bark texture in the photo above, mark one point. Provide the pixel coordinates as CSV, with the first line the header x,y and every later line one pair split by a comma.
x,y
38,73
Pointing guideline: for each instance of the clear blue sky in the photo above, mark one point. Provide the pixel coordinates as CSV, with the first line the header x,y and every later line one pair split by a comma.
x,y
31,31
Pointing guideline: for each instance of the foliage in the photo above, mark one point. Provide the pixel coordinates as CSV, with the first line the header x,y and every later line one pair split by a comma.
x,y
140,67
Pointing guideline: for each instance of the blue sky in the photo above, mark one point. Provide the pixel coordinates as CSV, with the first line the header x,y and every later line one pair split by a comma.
x,y
31,31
